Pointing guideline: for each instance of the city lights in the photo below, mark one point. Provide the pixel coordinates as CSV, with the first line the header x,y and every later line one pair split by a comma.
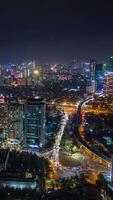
x,y
36,72
56,100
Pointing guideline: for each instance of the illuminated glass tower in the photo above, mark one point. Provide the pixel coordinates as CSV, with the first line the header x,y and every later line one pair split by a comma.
x,y
111,64
34,122
92,69
99,76
91,77
108,84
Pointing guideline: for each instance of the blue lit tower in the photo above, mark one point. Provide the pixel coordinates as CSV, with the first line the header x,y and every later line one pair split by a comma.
x,y
111,64
34,122
99,76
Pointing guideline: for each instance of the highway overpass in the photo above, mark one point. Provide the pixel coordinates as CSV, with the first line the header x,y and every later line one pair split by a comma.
x,y
106,162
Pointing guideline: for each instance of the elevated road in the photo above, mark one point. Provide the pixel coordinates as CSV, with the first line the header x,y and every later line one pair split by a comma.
x,y
106,162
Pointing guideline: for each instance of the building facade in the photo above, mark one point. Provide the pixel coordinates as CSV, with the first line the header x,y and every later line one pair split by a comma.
x,y
108,84
34,122
15,123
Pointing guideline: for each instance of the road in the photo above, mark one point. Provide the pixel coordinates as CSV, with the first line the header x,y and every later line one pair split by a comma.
x,y
68,166
94,163
56,147
91,152
89,166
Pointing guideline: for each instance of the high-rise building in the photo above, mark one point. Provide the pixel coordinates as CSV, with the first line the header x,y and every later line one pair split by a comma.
x,y
108,84
14,123
111,64
91,86
99,76
34,122
92,69
3,115
11,118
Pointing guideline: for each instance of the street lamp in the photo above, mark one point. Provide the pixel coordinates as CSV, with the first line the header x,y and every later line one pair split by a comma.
x,y
36,72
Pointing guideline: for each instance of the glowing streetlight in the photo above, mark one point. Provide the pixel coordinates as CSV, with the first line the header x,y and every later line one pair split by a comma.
x,y
36,72
36,76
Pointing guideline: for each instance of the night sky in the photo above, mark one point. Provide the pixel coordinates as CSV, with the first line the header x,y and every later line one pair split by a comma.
x,y
55,30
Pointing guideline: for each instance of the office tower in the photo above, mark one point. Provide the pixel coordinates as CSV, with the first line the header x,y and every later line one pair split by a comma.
x,y
111,64
3,116
108,84
92,69
11,118
91,86
33,122
99,76
14,119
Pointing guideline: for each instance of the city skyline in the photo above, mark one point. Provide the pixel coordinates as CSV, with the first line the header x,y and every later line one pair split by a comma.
x,y
55,31
56,100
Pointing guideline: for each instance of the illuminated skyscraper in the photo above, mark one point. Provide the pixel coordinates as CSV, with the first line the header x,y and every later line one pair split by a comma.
x,y
3,115
34,122
108,84
11,118
111,64
91,86
14,119
92,69
99,76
